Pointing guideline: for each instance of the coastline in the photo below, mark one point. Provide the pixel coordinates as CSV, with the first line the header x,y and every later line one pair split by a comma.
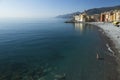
x,y
111,35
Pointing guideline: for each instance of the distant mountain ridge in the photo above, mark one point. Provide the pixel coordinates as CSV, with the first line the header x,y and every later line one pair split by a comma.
x,y
70,15
91,11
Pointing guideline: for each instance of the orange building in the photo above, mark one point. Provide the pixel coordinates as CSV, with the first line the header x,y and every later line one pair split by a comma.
x,y
102,17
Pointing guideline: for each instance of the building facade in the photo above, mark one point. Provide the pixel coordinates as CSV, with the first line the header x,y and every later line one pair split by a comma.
x,y
81,17
110,16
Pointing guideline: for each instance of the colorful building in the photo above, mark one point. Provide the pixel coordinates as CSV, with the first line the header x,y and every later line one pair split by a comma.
x,y
96,17
110,16
77,18
102,17
118,15
83,17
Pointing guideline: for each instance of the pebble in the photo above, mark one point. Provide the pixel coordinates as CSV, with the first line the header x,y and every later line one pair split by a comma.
x,y
118,36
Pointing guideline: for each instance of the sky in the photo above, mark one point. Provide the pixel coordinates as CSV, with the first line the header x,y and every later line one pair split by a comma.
x,y
48,8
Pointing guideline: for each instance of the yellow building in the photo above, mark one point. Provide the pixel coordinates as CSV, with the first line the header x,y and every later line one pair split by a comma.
x,y
114,15
111,16
83,17
118,15
77,18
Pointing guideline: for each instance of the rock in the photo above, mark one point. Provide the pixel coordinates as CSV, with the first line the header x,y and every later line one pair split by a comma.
x,y
49,69
42,78
60,77
45,70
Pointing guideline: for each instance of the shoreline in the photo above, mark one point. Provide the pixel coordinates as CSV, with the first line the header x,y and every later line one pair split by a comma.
x,y
113,48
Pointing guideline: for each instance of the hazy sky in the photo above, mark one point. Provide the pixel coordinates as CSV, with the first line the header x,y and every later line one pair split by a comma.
x,y
48,8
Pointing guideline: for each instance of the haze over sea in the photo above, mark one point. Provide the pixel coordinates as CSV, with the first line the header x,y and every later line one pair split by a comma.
x,y
43,49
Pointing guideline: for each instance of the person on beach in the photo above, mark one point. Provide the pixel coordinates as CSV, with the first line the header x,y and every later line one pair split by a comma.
x,y
97,56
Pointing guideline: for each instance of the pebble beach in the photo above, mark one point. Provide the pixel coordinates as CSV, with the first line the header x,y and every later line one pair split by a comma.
x,y
113,33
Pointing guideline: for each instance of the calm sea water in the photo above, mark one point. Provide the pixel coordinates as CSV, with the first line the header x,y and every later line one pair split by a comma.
x,y
48,49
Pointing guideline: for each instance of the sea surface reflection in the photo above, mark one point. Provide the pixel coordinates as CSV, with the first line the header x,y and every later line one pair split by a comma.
x,y
50,50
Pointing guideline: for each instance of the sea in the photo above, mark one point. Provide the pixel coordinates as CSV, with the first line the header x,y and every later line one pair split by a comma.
x,y
49,49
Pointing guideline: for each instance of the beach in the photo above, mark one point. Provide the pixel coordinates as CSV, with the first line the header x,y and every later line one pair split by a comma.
x,y
111,31
112,34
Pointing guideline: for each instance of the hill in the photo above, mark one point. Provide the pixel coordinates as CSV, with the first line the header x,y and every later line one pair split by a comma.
x,y
70,15
91,11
